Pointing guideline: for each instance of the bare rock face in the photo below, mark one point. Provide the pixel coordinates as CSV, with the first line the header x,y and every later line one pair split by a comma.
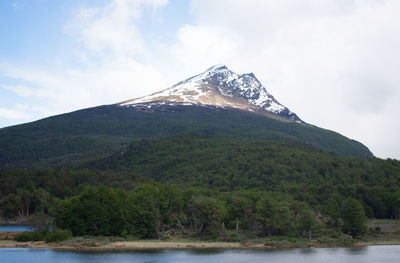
x,y
221,88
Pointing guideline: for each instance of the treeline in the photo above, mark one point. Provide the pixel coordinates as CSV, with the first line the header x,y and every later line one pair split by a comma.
x,y
263,187
158,210
219,164
26,192
299,170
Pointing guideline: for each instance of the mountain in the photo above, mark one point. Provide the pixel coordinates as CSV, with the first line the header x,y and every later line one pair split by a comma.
x,y
217,102
232,164
219,87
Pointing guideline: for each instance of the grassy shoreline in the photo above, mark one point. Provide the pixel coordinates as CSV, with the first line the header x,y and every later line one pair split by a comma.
x,y
388,234
82,244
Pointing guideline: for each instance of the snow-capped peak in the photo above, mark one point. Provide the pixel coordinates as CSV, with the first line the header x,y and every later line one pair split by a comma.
x,y
220,87
217,67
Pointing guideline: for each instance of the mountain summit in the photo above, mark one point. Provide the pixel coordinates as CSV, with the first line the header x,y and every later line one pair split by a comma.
x,y
218,87
217,103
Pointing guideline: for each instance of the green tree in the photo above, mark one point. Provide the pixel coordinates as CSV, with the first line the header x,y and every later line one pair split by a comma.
x,y
238,209
140,214
267,216
306,222
12,206
95,211
354,218
208,212
332,209
169,203
42,198
24,199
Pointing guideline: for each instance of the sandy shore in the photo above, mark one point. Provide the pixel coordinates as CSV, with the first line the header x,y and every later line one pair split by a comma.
x,y
131,245
160,245
377,243
115,244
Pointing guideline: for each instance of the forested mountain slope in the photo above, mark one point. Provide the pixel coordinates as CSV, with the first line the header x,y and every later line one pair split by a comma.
x,y
69,139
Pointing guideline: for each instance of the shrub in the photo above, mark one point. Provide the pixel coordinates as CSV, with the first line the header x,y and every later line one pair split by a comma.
x,y
37,235
44,234
58,235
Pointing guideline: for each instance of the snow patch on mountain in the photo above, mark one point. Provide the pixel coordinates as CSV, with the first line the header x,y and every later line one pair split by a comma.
x,y
220,87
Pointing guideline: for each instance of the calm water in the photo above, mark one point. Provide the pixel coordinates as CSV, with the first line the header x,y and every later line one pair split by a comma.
x,y
14,228
327,255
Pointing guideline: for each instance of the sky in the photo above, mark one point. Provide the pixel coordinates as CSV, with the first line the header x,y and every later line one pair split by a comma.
x,y
335,63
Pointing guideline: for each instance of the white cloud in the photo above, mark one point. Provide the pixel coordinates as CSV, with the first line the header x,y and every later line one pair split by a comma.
x,y
108,82
13,114
112,28
198,48
108,69
20,90
333,62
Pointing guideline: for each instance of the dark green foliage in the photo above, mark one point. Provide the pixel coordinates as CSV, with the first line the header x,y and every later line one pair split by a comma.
x,y
228,164
239,208
207,185
267,215
36,235
207,212
210,163
69,139
353,217
143,213
25,201
44,234
95,211
58,235
332,209
306,221
151,209
140,215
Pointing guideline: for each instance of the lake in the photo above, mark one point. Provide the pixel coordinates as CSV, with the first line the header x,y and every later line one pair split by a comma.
x,y
14,228
375,254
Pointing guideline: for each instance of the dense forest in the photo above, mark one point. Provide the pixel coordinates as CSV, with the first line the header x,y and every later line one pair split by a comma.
x,y
74,138
208,186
